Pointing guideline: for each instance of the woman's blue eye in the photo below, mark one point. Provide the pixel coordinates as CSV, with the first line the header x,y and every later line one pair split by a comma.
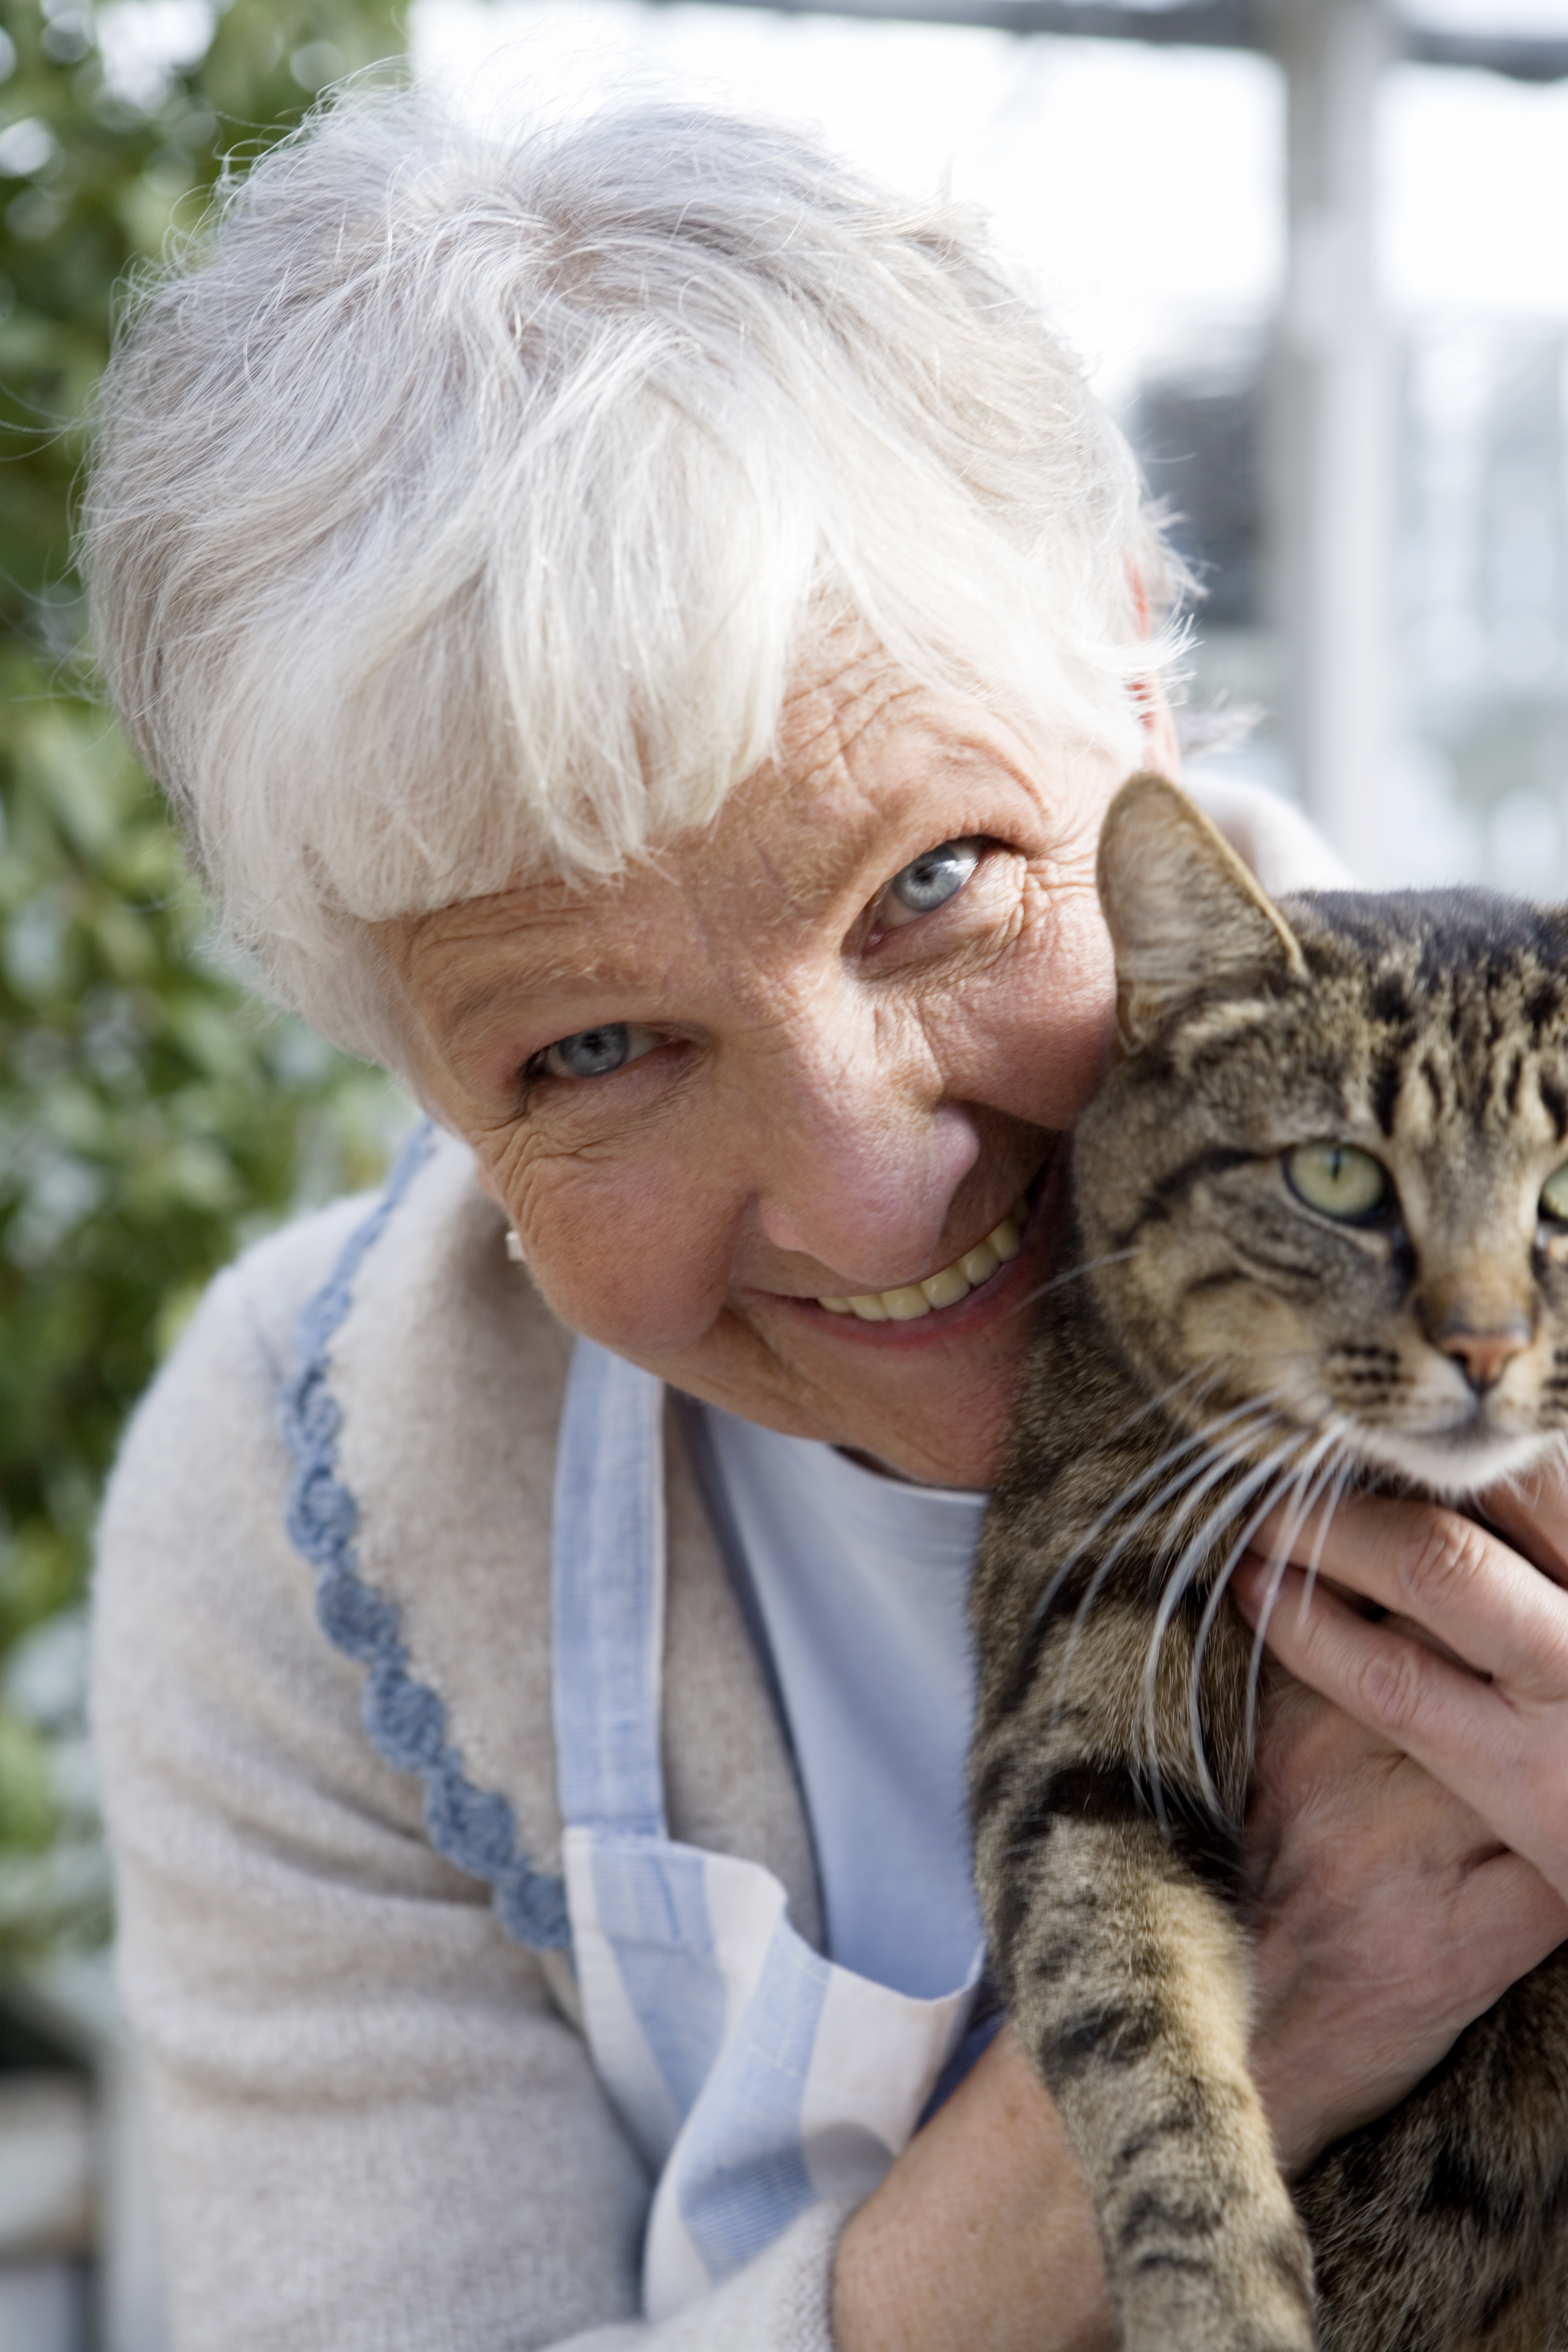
x,y
595,1053
591,1054
930,880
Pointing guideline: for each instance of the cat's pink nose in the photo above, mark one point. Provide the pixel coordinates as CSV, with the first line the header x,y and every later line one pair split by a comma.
x,y
1485,1356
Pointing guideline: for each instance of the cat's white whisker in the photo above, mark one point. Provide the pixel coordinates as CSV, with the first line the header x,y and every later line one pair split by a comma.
x,y
1072,1274
1277,1465
1320,1536
1330,1474
1199,1442
1297,1483
1200,1378
1273,1475
1214,1461
1182,1577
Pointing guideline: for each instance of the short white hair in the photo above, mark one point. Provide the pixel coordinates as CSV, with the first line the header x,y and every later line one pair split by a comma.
x,y
464,502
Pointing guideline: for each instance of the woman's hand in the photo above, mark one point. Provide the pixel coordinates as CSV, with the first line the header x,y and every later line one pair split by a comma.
x,y
1389,1918
1412,1862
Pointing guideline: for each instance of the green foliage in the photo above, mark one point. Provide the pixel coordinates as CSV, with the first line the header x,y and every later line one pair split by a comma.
x,y
152,1118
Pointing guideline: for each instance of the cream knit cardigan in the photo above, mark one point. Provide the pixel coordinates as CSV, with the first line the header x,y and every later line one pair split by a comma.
x,y
376,2122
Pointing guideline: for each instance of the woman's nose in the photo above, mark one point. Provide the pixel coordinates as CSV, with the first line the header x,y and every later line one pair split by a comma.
x,y
862,1159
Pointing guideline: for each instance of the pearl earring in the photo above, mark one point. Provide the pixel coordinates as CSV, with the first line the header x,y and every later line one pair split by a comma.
x,y
514,1246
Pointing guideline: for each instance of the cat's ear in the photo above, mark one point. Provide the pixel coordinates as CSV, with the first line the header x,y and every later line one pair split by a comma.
x,y
1183,909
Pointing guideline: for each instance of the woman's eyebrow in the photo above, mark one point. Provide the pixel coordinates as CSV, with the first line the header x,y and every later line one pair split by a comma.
x,y
528,982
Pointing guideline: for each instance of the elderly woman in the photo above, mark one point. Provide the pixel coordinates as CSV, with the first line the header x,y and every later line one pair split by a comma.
x,y
641,628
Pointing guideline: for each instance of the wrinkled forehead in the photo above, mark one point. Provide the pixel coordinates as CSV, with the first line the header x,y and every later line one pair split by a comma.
x,y
859,744
871,770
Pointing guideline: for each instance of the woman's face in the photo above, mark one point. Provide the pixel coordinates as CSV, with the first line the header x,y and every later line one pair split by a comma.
x,y
799,1058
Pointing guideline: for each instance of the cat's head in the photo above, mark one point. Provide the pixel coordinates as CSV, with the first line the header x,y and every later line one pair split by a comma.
x,y
1327,1171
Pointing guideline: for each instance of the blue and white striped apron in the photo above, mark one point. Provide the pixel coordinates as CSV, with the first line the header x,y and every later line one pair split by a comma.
x,y
755,2076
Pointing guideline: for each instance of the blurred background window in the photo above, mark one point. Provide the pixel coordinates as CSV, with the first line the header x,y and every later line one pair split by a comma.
x,y
1312,251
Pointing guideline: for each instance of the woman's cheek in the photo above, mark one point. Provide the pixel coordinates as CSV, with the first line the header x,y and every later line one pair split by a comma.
x,y
635,1258
1079,987
1040,1028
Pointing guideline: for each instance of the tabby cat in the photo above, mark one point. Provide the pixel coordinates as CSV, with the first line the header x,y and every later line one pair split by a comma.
x,y
1322,1219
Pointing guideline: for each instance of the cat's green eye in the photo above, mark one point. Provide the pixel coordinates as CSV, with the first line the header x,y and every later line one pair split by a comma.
x,y
1339,1181
1554,1196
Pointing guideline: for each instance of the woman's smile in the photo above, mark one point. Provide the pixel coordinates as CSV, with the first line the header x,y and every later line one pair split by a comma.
x,y
936,1293
985,1280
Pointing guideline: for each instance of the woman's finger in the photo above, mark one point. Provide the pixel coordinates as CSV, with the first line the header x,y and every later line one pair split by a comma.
x,y
1495,1756
1457,1580
1533,1516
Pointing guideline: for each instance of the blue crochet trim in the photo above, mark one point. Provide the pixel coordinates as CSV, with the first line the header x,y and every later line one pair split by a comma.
x,y
406,1721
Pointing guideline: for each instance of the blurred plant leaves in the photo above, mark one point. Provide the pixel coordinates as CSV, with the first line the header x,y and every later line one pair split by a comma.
x,y
152,1118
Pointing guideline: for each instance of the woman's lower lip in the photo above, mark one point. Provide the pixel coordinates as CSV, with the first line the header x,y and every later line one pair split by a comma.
x,y
1004,1292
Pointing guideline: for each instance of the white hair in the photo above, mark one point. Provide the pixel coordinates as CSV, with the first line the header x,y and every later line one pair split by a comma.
x,y
465,503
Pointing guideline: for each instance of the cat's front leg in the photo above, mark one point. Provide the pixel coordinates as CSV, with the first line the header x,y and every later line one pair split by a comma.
x,y
1128,1982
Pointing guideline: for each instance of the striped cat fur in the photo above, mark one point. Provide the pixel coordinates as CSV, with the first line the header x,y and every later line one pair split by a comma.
x,y
1222,1345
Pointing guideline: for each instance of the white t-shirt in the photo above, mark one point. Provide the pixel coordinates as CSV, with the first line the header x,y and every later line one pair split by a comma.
x,y
859,1584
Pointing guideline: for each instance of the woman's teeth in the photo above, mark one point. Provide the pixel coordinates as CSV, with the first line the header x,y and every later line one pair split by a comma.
x,y
944,1289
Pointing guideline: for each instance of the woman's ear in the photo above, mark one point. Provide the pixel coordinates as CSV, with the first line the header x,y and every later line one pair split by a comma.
x,y
1162,752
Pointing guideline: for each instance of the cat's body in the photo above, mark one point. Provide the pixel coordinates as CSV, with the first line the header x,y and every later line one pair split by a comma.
x,y
1233,1342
